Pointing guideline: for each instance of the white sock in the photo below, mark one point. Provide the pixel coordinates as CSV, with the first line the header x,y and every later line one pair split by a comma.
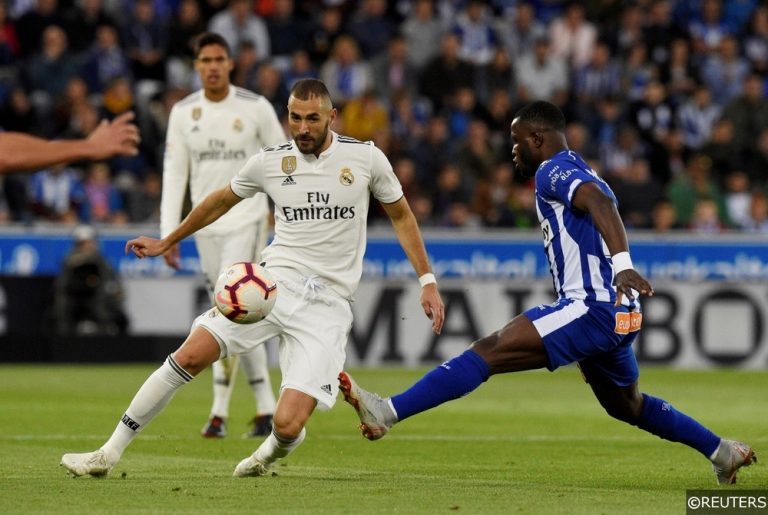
x,y
150,400
223,384
276,447
255,366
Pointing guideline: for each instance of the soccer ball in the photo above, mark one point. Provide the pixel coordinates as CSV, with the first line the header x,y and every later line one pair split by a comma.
x,y
245,293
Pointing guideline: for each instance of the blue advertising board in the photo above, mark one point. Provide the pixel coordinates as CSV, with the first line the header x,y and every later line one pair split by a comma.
x,y
469,255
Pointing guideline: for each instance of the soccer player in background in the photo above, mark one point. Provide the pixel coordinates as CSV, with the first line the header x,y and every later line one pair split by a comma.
x,y
593,323
211,135
321,183
21,152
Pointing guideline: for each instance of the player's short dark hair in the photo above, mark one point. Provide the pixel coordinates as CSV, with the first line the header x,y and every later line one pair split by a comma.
x,y
210,38
542,114
305,89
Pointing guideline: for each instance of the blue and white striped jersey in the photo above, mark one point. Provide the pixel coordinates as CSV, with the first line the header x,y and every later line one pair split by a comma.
x,y
579,260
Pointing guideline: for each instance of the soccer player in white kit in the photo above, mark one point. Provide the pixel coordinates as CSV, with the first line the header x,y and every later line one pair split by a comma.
x,y
211,135
321,184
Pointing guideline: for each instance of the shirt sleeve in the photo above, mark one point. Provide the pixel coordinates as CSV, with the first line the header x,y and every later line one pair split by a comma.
x,y
384,184
175,175
250,179
559,180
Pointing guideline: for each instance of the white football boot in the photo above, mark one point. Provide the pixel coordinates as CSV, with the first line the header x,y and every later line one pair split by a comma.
x,y
729,458
376,417
93,463
250,467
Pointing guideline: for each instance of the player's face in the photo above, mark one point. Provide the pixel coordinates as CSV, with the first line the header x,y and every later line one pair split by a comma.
x,y
213,65
310,121
524,150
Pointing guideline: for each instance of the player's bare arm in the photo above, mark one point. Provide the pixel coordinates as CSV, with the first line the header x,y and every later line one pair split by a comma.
x,y
591,199
208,211
21,152
409,236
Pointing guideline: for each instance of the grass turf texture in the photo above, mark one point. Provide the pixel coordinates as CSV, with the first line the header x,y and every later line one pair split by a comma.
x,y
534,442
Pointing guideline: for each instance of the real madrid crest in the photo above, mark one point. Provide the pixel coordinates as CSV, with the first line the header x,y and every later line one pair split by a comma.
x,y
197,112
289,164
345,177
238,125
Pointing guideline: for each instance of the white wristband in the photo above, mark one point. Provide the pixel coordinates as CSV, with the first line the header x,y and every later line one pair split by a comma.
x,y
621,262
427,279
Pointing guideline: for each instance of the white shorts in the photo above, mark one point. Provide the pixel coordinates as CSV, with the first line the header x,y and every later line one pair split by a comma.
x,y
312,322
219,251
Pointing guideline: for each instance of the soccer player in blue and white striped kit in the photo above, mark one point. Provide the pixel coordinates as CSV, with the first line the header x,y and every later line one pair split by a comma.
x,y
593,323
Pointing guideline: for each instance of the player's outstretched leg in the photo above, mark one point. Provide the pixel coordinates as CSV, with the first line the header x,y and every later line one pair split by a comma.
x,y
224,376
151,398
376,415
729,457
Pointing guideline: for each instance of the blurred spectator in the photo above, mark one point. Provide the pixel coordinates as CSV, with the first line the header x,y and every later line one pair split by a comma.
x,y
287,32
451,191
405,171
88,296
103,203
463,109
679,72
697,117
721,149
636,72
654,119
577,135
706,219
422,31
737,198
758,162
708,28
664,217
74,98
247,65
756,41
299,68
269,84
660,31
573,37
637,192
695,184
9,43
143,202
542,76
83,21
446,73
322,38
238,23
345,74
17,113
599,78
520,36
724,71
364,116
48,71
758,213
617,156
477,37
30,25
145,38
628,33
57,194
476,158
431,151
187,24
392,72
372,28
105,60
749,114
496,75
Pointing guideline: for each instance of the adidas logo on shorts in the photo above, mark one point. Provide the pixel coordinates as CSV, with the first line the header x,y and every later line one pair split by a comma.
x,y
326,388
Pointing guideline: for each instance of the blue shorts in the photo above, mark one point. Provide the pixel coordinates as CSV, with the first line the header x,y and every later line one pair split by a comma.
x,y
591,334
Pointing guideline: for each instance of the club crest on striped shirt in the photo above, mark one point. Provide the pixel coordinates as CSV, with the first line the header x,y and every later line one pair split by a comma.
x,y
346,177
289,164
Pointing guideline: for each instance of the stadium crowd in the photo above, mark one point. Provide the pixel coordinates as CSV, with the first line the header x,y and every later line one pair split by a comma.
x,y
667,99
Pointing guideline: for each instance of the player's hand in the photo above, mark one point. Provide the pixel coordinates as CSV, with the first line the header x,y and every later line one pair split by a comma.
x,y
118,137
173,257
628,280
144,246
433,306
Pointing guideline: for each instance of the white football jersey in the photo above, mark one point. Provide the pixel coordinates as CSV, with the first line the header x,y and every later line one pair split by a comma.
x,y
207,143
321,205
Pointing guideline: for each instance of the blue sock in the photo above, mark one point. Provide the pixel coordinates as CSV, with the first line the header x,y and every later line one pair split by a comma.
x,y
660,418
451,380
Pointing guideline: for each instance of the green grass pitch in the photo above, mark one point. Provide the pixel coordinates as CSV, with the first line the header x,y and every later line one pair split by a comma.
x,y
533,442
